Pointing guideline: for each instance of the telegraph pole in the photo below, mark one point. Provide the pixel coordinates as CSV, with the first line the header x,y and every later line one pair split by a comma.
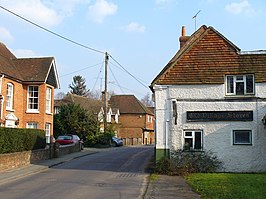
x,y
105,92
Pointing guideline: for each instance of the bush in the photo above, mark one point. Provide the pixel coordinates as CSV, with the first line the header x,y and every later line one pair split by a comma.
x,y
182,163
15,140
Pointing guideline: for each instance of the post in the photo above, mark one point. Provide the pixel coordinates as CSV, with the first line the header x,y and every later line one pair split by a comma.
x,y
105,92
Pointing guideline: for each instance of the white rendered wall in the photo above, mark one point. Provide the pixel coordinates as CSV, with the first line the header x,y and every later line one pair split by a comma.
x,y
217,136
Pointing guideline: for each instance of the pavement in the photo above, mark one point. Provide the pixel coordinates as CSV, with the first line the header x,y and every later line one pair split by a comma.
x,y
158,187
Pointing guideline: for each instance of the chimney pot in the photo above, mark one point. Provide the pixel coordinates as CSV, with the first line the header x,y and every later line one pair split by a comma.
x,y
183,31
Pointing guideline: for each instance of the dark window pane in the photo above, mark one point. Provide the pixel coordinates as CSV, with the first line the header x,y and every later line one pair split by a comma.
x,y
242,137
230,84
188,133
188,143
249,84
197,144
239,88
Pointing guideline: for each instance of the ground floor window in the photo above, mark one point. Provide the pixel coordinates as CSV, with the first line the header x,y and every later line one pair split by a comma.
x,y
193,140
242,137
32,125
47,132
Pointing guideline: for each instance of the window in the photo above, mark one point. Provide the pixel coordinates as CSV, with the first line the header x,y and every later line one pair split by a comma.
x,y
9,96
47,132
48,100
193,140
32,125
240,85
33,98
242,137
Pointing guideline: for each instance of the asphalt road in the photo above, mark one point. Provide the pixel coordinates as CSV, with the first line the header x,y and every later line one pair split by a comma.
x,y
114,174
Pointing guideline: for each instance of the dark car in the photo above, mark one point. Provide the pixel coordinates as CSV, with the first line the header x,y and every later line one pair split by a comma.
x,y
117,142
69,139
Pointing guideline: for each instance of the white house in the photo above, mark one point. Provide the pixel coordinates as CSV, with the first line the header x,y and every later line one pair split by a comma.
x,y
211,96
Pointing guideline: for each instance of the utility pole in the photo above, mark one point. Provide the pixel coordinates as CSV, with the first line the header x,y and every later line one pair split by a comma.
x,y
105,92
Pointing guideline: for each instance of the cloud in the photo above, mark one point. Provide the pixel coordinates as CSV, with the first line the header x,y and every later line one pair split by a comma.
x,y
5,35
101,9
34,10
21,53
242,7
134,27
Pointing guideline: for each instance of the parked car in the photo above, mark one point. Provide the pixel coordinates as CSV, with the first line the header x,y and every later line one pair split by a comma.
x,y
117,142
69,139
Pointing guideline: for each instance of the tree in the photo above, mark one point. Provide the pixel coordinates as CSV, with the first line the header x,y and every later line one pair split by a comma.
x,y
60,95
72,119
147,101
78,86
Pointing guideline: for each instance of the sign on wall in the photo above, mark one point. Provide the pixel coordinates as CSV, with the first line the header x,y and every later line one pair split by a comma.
x,y
205,116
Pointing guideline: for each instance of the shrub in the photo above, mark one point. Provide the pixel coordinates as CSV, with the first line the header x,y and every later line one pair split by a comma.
x,y
182,163
15,140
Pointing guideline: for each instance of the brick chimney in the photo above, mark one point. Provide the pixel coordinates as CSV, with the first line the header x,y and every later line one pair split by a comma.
x,y
183,39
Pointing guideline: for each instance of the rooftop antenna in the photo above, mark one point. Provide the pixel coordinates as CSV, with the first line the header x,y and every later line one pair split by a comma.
x,y
195,17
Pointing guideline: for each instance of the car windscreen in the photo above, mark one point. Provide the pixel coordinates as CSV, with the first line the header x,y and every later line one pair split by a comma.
x,y
64,138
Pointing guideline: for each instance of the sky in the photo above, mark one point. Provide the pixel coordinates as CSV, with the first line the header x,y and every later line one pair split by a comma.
x,y
141,36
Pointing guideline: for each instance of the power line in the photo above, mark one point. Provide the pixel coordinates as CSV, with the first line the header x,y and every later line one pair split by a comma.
x,y
129,72
116,80
98,77
56,34
81,69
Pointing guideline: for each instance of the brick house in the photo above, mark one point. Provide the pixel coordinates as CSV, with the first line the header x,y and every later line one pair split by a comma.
x,y
27,89
136,120
211,96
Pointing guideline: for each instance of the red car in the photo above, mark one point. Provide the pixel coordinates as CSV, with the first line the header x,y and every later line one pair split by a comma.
x,y
69,139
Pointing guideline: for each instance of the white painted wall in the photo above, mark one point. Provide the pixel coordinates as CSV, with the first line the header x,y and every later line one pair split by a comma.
x,y
217,136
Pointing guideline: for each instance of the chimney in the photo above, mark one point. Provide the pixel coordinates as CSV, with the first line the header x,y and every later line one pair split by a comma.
x,y
183,38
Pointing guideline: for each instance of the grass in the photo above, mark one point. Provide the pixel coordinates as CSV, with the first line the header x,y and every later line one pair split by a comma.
x,y
229,185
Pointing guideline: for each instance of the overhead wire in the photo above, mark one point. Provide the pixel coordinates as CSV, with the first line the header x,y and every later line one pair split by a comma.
x,y
138,80
81,69
98,76
117,81
54,33
79,44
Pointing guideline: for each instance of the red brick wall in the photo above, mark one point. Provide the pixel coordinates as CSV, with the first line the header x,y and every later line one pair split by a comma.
x,y
20,105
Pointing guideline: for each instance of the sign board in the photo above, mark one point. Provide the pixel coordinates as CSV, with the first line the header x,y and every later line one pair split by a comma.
x,y
205,116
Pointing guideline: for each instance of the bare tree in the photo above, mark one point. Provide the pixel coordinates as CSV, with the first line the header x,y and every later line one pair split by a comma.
x,y
147,100
60,95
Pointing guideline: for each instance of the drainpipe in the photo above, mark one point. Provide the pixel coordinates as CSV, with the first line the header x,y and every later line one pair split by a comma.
x,y
1,82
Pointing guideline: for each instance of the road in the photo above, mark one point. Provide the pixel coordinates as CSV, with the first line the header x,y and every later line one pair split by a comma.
x,y
112,174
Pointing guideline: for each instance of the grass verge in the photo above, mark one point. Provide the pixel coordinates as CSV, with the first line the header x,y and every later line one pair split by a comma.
x,y
228,185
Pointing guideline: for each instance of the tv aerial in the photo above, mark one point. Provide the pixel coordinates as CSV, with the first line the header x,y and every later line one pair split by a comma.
x,y
195,17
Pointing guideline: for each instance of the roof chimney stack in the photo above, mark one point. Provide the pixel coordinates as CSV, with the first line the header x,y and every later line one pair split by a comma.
x,y
183,39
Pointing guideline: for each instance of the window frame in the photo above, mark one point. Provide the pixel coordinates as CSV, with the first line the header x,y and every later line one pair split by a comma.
x,y
235,82
48,100
33,110
9,96
193,137
242,143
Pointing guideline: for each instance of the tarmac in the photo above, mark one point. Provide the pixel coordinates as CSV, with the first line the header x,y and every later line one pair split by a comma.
x,y
160,187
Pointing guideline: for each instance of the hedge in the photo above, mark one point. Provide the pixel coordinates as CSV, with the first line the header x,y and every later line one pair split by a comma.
x,y
16,140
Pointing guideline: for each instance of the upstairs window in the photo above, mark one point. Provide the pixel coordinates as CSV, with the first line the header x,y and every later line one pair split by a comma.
x,y
33,98
9,96
240,85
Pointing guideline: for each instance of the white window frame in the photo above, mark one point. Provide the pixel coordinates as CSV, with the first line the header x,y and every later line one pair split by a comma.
x,y
193,137
247,142
9,96
47,132
32,125
32,110
48,107
236,80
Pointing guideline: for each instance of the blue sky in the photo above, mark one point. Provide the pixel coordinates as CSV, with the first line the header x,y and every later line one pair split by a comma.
x,y
142,35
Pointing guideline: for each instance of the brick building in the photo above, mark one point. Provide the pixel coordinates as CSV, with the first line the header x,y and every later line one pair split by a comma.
x,y
27,91
136,120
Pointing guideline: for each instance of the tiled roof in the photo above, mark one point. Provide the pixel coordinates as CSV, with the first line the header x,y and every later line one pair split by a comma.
x,y
206,58
84,102
26,69
129,104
